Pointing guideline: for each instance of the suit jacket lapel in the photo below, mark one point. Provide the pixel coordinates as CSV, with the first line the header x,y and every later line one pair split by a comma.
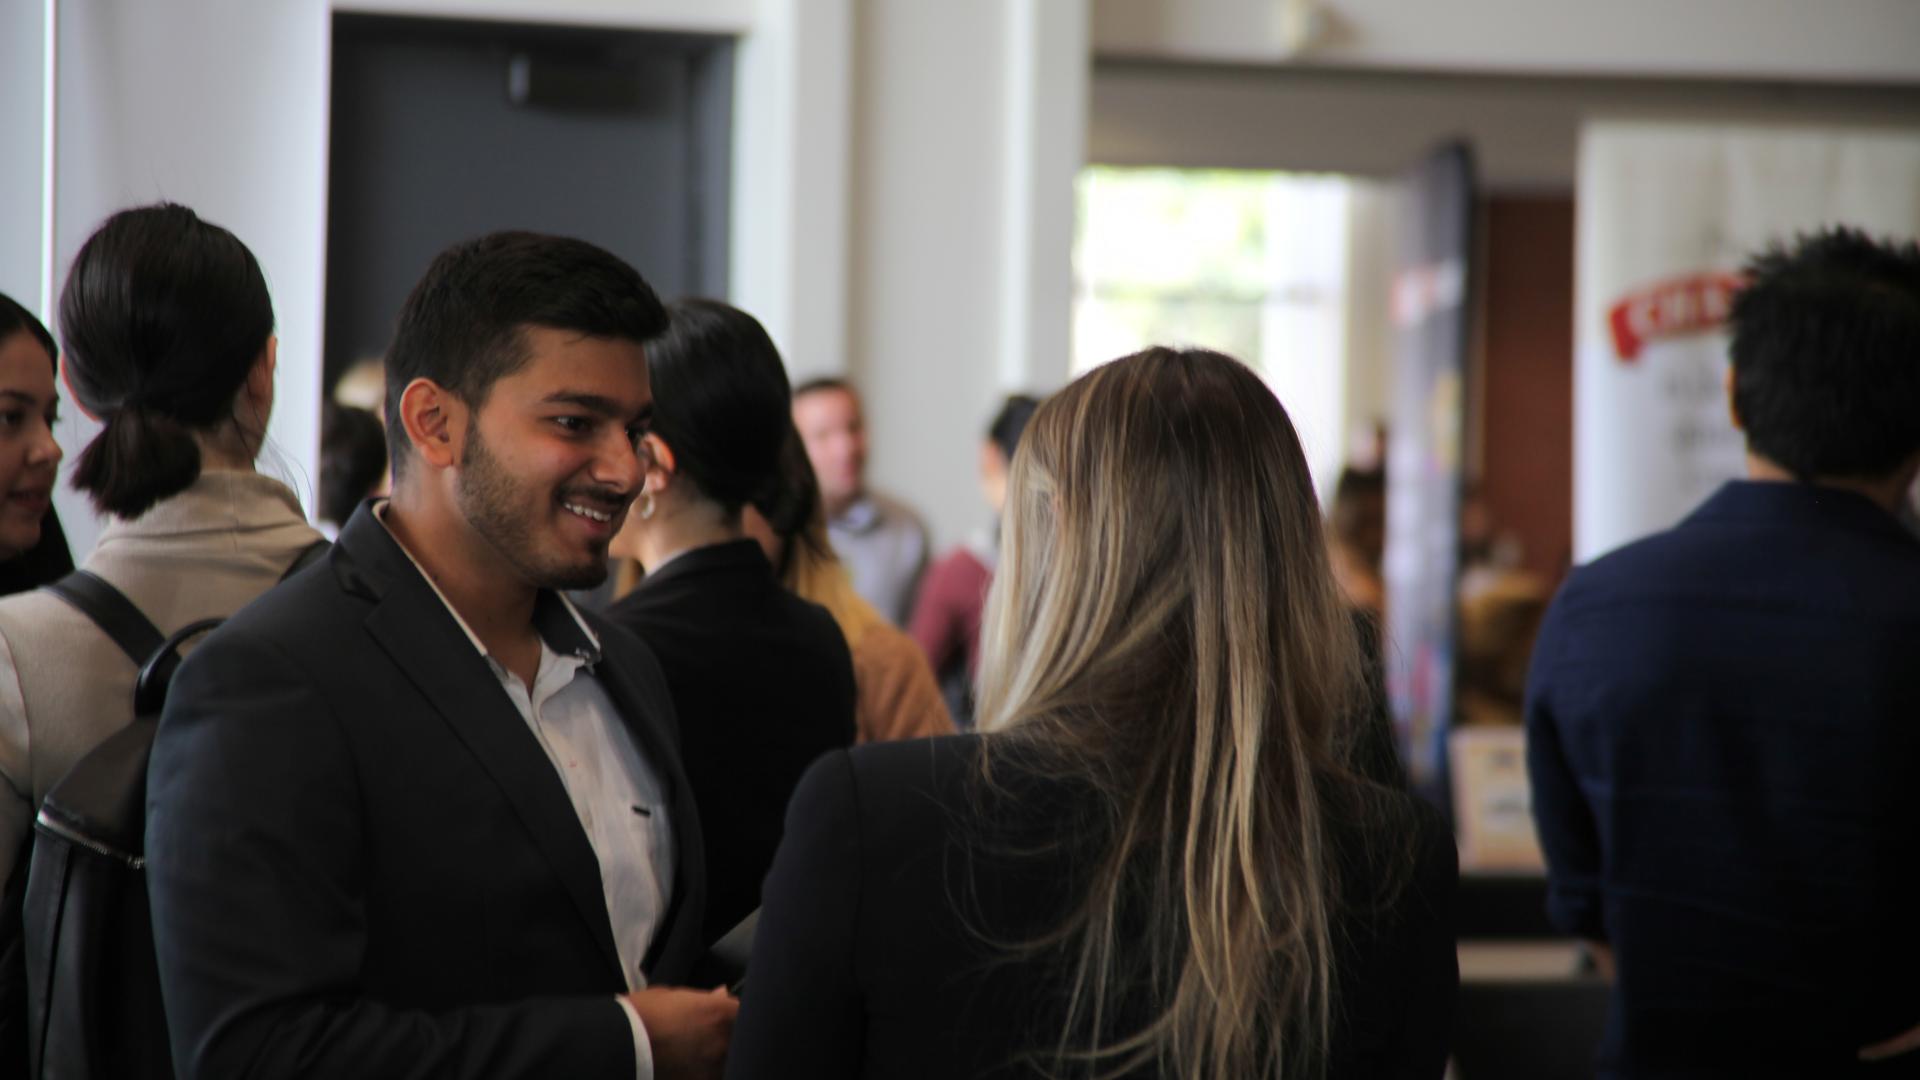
x,y
414,627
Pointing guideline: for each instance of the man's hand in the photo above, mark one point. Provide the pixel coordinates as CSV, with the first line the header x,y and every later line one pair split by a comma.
x,y
1899,1044
1601,955
688,1029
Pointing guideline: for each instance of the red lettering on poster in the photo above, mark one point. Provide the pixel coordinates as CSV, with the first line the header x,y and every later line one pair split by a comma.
x,y
1674,308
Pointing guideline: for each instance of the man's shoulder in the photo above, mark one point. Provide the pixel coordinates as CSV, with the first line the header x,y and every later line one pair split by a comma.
x,y
894,515
1702,556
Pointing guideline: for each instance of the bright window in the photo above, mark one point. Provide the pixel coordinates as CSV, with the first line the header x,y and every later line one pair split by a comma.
x,y
1252,264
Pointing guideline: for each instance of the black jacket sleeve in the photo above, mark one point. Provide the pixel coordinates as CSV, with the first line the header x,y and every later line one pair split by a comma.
x,y
801,1012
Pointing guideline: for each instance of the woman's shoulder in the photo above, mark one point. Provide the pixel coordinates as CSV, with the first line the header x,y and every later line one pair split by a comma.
x,y
44,634
928,768
892,788
810,622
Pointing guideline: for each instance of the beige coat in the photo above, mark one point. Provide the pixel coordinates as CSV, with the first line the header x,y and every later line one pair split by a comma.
x,y
64,686
896,696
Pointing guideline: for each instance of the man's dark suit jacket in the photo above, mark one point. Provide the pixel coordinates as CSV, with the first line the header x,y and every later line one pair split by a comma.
x,y
1723,728
362,862
762,684
882,947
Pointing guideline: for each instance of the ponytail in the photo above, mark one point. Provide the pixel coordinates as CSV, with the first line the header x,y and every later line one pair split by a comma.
x,y
139,458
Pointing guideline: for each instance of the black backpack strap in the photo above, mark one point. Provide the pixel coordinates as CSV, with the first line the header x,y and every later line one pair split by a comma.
x,y
113,613
309,555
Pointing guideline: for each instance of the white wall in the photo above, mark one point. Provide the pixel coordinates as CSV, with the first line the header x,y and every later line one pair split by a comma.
x,y
792,147
1372,256
1824,40
964,163
23,72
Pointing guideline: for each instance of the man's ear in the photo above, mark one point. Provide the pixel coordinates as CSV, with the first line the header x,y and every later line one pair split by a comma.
x,y
1733,406
435,420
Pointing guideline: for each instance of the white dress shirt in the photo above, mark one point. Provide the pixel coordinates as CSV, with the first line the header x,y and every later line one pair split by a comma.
x,y
615,791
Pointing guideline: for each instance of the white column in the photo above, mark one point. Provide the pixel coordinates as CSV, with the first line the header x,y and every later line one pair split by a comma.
x,y
1047,78
968,124
26,28
792,147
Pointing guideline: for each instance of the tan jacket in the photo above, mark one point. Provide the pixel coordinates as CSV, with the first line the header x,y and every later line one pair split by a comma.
x,y
895,694
65,686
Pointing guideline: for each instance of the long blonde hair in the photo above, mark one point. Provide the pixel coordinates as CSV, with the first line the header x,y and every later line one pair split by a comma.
x,y
1165,629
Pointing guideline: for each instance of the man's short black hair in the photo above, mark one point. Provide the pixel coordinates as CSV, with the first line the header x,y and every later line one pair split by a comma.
x,y
1011,421
1826,355
824,382
463,325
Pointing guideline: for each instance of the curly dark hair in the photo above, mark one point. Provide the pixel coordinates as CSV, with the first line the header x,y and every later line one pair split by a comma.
x,y
1826,355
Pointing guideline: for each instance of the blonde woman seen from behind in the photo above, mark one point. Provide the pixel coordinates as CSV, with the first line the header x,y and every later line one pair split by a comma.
x,y
1158,858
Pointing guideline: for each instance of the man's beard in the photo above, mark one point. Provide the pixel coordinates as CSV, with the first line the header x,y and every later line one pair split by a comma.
x,y
494,502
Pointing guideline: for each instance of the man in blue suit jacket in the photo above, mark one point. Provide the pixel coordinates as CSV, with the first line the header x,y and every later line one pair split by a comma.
x,y
411,813
1723,720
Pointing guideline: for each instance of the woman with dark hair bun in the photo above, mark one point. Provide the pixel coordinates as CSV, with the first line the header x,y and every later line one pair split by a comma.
x,y
32,549
761,680
169,344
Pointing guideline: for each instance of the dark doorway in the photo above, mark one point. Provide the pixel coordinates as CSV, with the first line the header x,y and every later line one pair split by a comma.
x,y
444,130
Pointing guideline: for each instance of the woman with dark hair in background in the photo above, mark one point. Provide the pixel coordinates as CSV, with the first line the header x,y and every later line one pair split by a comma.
x,y
169,335
1160,860
33,551
353,463
953,594
761,680
895,696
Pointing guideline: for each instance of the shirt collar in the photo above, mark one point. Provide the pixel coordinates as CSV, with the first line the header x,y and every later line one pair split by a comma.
x,y
559,624
861,515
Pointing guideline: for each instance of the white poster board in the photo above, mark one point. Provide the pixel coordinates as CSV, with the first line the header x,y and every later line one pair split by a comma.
x,y
1667,215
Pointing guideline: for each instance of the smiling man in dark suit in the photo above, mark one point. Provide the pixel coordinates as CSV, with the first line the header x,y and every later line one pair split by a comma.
x,y
412,814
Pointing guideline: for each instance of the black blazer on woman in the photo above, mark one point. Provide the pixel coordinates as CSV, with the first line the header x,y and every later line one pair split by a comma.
x,y
876,952
762,684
